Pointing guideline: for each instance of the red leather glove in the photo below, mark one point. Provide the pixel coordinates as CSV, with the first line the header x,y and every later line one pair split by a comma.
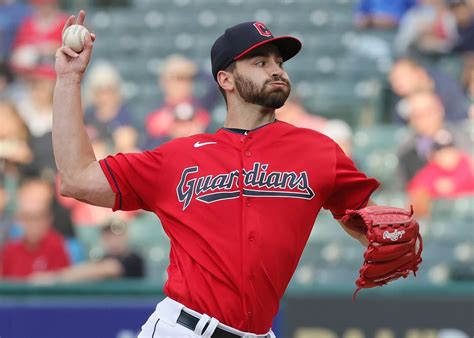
x,y
393,237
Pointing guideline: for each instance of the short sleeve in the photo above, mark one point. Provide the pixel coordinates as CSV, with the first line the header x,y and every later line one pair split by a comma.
x,y
351,189
134,178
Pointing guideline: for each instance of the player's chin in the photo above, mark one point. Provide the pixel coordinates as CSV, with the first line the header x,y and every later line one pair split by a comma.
x,y
276,100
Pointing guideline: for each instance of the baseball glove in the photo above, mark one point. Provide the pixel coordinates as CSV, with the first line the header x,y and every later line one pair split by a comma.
x,y
395,244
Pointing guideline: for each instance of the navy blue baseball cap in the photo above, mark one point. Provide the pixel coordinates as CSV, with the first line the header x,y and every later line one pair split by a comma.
x,y
241,39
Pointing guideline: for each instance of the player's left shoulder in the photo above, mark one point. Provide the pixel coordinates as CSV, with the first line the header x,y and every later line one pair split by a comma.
x,y
190,142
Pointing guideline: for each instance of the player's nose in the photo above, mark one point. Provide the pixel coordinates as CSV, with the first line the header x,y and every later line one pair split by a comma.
x,y
275,69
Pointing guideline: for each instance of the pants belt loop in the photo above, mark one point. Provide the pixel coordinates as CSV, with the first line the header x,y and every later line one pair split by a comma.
x,y
201,324
210,328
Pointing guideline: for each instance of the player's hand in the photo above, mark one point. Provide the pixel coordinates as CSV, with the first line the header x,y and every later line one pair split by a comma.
x,y
68,62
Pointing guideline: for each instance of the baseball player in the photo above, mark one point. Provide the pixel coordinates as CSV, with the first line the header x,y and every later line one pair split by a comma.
x,y
237,205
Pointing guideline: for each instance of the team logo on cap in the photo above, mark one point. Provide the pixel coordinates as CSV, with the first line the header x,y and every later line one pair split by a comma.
x,y
262,29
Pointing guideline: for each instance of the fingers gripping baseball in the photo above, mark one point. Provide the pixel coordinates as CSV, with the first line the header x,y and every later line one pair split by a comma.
x,y
73,57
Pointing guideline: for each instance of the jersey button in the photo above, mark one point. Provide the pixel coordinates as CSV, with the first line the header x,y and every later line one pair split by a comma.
x,y
248,153
251,237
248,203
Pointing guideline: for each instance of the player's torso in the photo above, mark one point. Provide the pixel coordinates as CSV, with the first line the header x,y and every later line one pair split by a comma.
x,y
249,201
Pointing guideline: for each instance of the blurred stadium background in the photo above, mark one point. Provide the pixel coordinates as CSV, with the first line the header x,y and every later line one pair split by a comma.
x,y
341,73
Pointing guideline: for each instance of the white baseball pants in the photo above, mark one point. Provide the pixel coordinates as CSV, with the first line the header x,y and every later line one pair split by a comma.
x,y
163,324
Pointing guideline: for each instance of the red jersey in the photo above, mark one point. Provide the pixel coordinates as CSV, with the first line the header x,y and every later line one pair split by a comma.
x,y
238,210
19,261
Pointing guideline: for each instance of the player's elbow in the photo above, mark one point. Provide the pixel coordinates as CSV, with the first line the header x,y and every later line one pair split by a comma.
x,y
66,188
71,186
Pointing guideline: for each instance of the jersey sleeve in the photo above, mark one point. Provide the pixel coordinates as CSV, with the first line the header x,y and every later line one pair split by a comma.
x,y
134,178
351,189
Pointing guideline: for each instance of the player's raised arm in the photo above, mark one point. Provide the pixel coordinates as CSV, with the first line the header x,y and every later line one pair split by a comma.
x,y
81,175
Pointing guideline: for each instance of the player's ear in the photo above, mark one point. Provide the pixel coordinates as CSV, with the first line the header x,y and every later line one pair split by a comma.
x,y
225,80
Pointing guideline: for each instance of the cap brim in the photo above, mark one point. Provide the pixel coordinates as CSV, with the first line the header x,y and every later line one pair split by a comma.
x,y
288,46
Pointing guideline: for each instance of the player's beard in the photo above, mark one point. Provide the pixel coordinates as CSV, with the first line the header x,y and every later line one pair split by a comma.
x,y
266,96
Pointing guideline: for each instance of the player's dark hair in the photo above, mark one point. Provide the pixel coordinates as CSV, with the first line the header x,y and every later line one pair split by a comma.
x,y
230,68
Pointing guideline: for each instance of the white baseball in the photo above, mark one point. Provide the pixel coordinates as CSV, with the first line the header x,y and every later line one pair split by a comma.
x,y
74,37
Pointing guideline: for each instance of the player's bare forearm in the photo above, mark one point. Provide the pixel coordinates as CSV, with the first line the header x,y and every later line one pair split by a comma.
x,y
358,235
72,149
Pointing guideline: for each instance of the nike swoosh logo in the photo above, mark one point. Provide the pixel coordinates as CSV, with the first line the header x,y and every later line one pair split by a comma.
x,y
199,144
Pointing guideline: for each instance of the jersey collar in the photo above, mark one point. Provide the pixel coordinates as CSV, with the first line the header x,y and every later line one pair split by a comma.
x,y
246,132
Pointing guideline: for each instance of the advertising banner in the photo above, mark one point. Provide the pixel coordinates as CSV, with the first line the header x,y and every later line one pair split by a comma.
x,y
337,316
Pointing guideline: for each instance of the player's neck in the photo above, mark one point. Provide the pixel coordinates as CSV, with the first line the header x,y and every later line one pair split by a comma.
x,y
248,116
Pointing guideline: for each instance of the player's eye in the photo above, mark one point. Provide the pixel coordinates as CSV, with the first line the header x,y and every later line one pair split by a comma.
x,y
260,63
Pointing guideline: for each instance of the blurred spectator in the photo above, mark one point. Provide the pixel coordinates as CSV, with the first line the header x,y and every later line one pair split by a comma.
x,y
12,14
37,111
181,115
107,113
425,115
125,140
408,77
40,248
428,28
295,113
463,11
10,89
6,221
341,133
118,261
39,36
381,14
61,218
6,78
14,137
448,174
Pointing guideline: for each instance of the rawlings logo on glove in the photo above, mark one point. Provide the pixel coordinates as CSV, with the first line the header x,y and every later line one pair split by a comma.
x,y
394,236
395,244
